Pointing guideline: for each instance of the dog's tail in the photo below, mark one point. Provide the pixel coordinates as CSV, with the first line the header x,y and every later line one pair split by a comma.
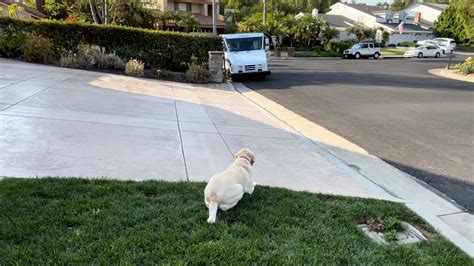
x,y
212,212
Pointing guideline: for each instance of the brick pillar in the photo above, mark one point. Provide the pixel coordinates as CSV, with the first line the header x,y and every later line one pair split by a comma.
x,y
277,52
291,51
216,64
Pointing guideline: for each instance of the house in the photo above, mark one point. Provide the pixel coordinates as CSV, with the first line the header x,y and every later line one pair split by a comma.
x,y
199,9
428,13
417,19
341,23
361,13
25,13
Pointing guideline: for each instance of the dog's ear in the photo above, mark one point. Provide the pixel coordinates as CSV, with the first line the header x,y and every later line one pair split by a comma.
x,y
247,154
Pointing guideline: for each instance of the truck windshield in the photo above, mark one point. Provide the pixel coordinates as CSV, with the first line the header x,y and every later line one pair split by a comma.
x,y
244,44
356,46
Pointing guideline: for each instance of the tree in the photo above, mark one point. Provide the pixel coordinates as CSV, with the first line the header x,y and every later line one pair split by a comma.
x,y
308,29
40,5
58,9
13,10
329,33
385,37
362,32
383,5
131,13
186,21
100,11
457,21
254,23
164,17
288,28
398,5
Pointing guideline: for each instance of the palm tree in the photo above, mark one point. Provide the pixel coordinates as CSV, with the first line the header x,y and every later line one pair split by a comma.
x,y
164,17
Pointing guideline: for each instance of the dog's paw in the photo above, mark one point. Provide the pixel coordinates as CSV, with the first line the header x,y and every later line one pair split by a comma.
x,y
210,221
254,183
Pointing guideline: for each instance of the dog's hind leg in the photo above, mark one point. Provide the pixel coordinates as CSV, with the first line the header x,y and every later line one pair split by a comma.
x,y
212,212
251,188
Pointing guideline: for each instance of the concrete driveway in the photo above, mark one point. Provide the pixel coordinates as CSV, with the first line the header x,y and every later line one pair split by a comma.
x,y
63,122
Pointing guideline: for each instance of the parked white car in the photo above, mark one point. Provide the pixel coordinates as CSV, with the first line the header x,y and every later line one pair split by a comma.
x,y
424,51
360,50
444,48
246,54
446,42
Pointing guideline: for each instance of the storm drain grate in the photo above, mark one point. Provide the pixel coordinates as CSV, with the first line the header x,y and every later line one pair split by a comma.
x,y
408,236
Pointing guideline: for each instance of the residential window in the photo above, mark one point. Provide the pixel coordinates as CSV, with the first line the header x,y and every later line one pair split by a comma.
x,y
182,7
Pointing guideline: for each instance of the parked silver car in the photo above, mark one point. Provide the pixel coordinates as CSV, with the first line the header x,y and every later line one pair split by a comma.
x,y
363,50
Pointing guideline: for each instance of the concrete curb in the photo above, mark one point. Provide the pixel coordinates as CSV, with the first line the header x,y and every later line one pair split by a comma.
x,y
285,58
451,74
282,58
432,207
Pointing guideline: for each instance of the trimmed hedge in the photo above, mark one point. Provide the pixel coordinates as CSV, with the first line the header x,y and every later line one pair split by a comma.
x,y
168,50
407,44
337,47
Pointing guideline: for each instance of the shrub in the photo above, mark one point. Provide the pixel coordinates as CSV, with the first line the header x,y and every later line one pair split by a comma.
x,y
337,47
135,68
407,44
68,61
164,74
198,73
467,67
92,56
38,49
10,44
161,49
113,61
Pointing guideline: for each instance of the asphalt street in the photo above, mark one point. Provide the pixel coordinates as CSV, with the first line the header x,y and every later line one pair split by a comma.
x,y
420,123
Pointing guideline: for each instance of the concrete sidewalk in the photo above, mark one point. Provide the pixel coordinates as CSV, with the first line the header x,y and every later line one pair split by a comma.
x,y
64,122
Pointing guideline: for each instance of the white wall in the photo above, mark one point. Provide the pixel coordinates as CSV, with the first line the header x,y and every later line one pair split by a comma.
x,y
352,13
344,35
408,37
427,13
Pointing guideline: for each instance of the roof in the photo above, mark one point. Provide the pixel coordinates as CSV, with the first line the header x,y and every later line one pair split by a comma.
x,y
406,27
439,7
337,20
242,35
206,21
368,9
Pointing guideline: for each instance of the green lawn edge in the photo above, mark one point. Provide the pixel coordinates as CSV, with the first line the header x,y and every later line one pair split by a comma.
x,y
70,220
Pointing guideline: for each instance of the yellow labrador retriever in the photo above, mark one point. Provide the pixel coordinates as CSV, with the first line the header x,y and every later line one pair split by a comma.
x,y
225,189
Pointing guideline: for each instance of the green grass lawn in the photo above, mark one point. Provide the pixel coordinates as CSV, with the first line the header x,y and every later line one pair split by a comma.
x,y
46,221
392,51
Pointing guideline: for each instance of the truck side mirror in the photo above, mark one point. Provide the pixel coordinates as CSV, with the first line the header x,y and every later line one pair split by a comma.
x,y
267,44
